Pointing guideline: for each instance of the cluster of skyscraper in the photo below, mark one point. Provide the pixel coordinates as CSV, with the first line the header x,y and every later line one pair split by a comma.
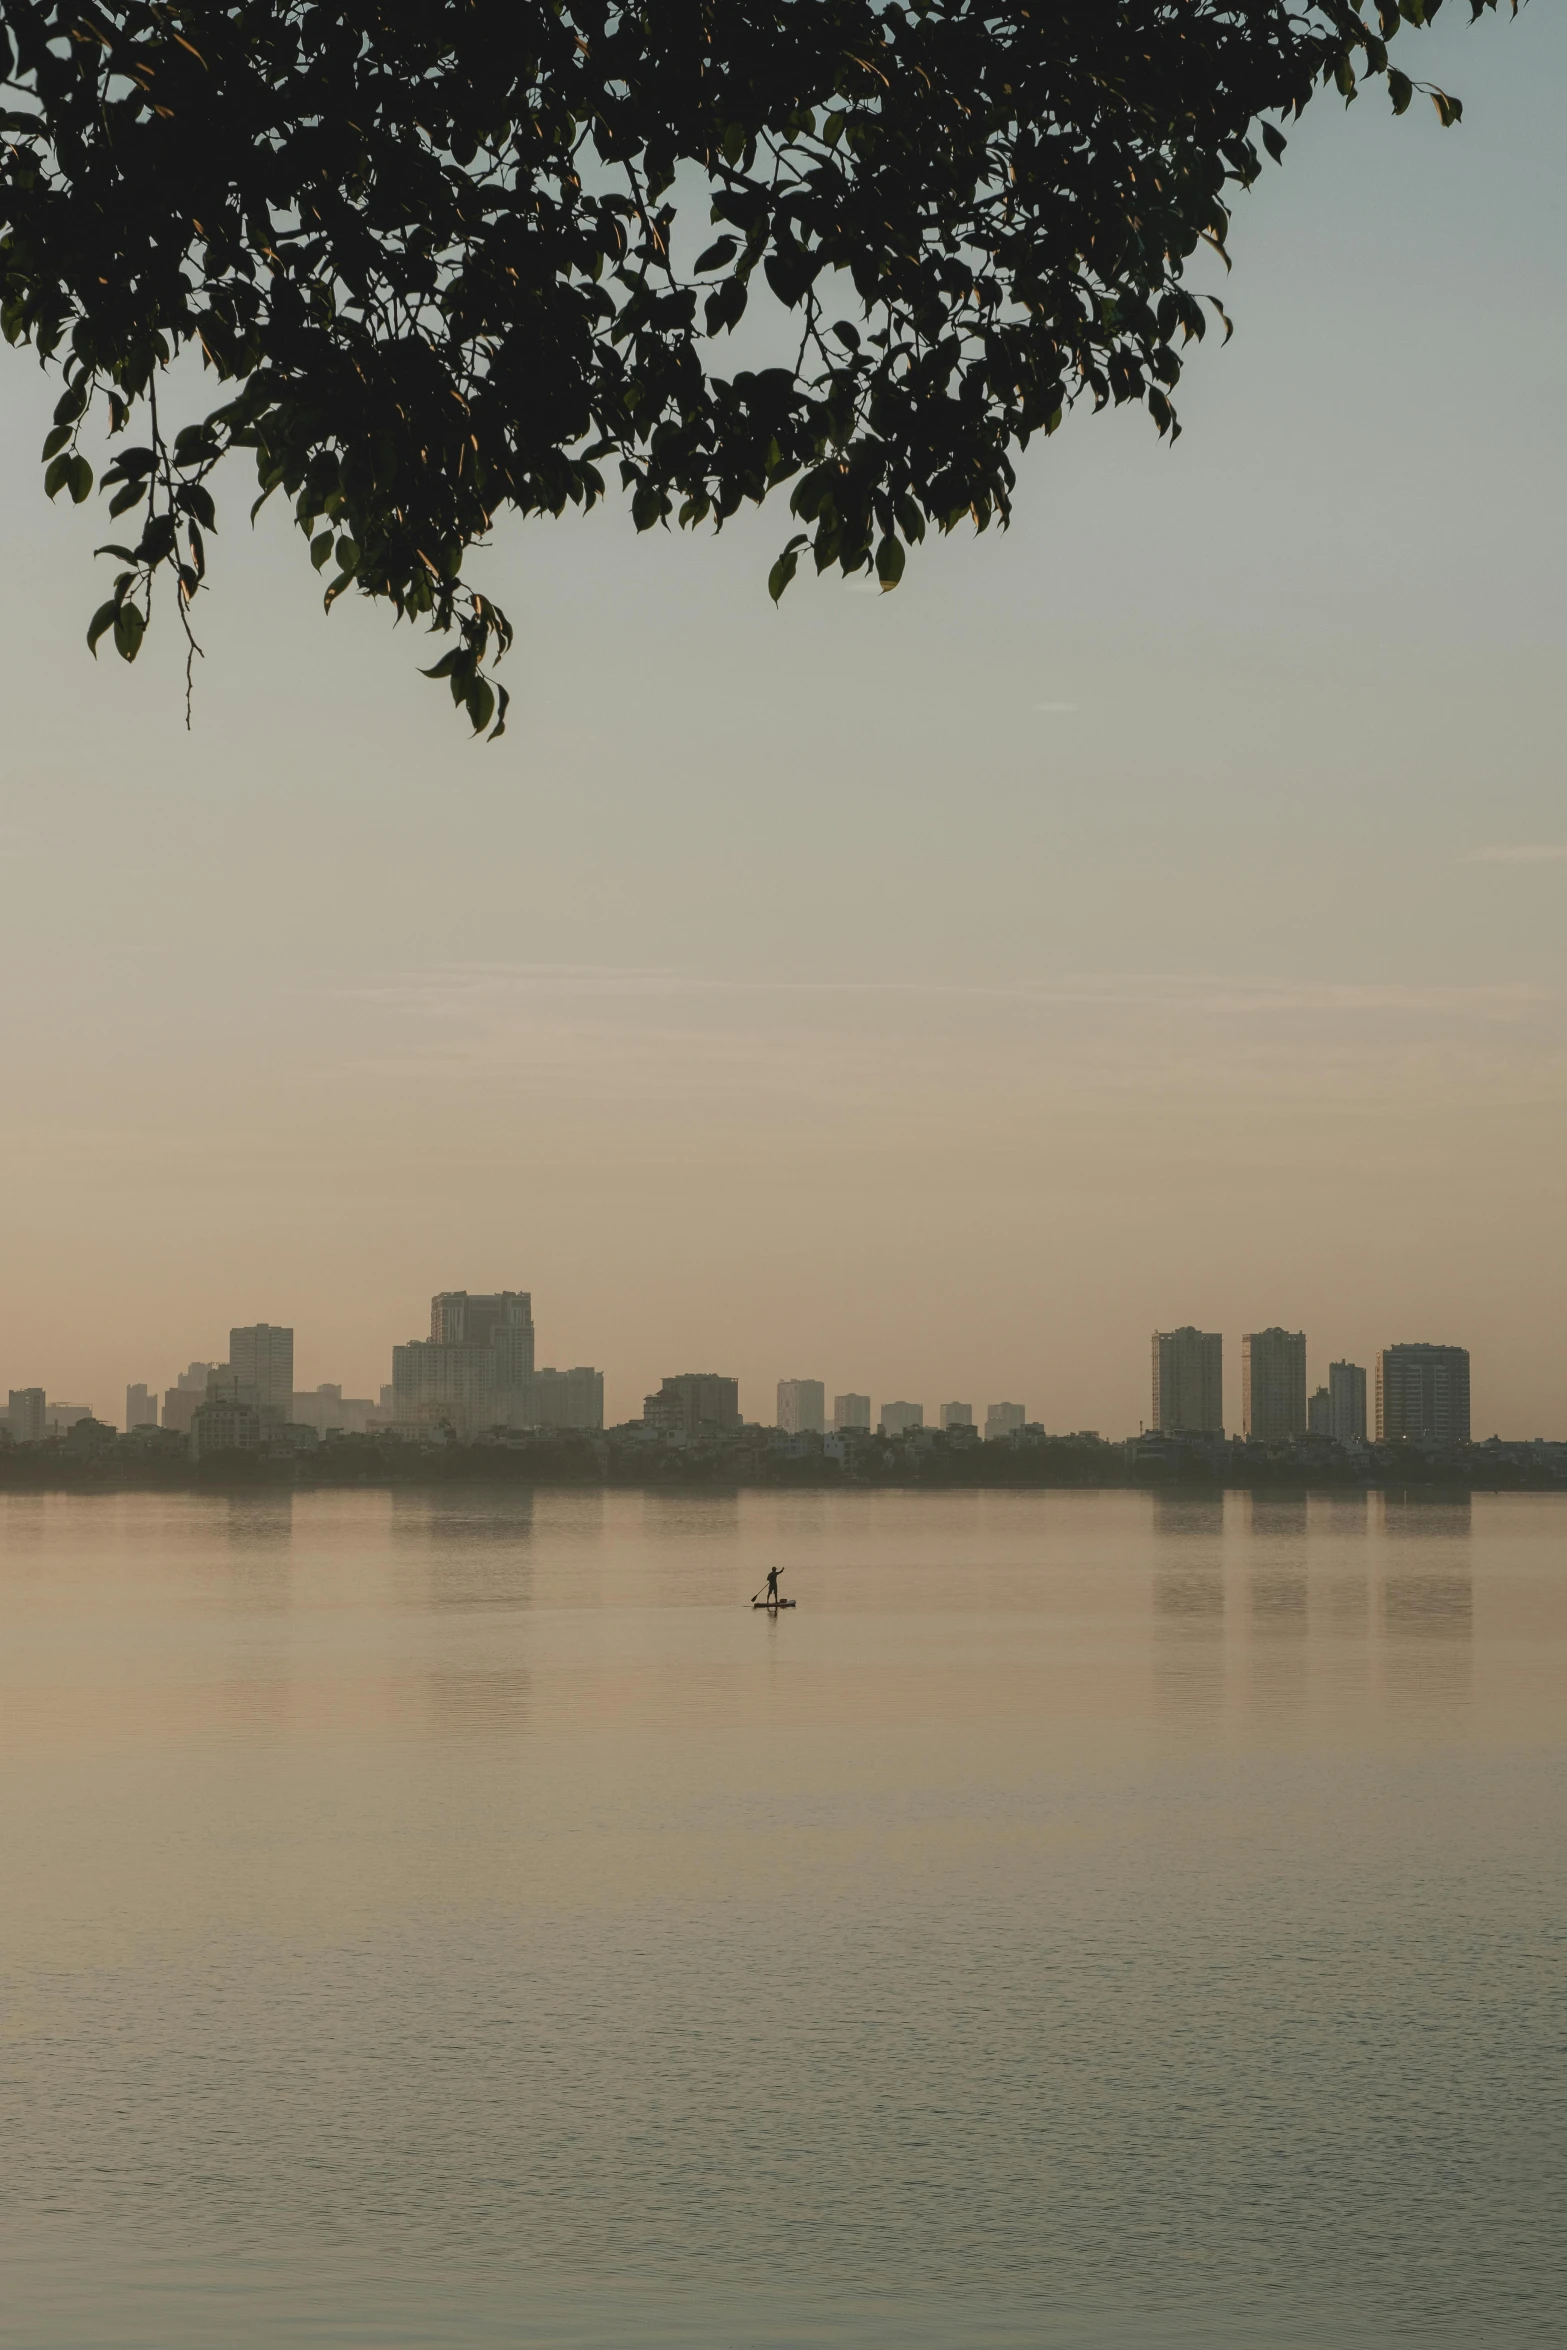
x,y
802,1411
474,1373
1422,1392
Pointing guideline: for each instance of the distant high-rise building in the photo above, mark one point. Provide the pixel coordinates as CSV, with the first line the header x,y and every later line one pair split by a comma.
x,y
1188,1382
565,1399
1003,1419
1319,1413
1273,1385
957,1415
851,1411
25,1415
435,1386
898,1418
476,1372
802,1407
183,1399
1423,1392
141,1408
329,1411
1347,1392
501,1319
61,1418
261,1357
694,1403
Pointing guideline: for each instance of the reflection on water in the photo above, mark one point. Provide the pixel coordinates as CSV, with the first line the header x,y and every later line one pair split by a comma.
x,y
1101,1921
1427,1602
1425,1517
258,1521
1440,1605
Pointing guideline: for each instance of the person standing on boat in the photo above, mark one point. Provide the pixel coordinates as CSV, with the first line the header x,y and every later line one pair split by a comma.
x,y
772,1586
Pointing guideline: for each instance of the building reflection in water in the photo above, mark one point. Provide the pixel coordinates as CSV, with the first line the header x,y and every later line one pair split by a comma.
x,y
1427,1598
1188,1598
1276,1528
257,1532
259,1521
463,1550
1341,1533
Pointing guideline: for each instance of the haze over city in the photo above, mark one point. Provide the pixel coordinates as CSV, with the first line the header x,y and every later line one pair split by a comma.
x,y
783,1437
1151,915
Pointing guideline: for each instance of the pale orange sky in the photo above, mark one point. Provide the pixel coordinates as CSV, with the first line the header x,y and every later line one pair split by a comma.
x,y
1153,916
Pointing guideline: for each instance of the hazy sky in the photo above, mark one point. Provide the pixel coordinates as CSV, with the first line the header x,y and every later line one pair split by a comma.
x,y
1151,916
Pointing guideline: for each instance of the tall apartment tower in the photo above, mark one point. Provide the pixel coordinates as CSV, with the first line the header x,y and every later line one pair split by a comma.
x,y
499,1318
1003,1419
1188,1382
1273,1385
141,1408
898,1418
1423,1392
261,1357
802,1407
1347,1402
25,1415
851,1411
957,1415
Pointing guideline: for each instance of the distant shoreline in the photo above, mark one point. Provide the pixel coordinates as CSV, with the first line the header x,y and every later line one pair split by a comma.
x,y
458,1468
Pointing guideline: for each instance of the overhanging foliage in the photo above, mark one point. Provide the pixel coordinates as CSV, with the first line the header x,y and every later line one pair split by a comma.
x,y
439,256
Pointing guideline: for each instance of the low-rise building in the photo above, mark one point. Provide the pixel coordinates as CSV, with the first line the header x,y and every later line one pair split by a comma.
x,y
186,1396
329,1411
224,1425
693,1403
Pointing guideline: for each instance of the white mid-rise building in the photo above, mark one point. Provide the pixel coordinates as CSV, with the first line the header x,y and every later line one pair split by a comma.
x,y
802,1407
851,1411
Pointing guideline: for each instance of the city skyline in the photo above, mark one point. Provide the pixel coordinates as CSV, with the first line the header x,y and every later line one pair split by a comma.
x,y
1074,1014
477,1370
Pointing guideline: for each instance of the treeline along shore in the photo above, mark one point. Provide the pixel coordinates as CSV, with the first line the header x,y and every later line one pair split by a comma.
x,y
95,1458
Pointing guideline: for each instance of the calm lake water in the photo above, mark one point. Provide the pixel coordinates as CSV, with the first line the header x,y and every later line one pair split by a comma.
x,y
1087,1920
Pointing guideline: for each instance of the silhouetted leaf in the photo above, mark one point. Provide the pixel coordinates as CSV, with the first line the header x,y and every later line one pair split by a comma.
x,y
427,256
